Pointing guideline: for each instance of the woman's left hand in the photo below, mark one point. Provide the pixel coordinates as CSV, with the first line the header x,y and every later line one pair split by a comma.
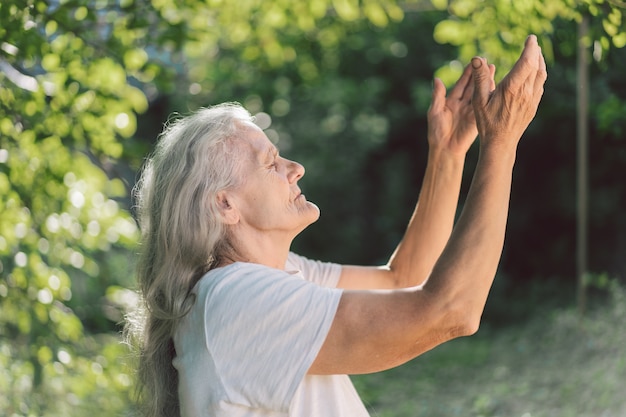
x,y
451,120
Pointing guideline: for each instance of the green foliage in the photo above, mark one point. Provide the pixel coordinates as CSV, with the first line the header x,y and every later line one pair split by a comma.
x,y
66,107
86,86
496,28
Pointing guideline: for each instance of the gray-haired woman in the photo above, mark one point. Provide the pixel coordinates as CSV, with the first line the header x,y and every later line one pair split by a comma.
x,y
235,324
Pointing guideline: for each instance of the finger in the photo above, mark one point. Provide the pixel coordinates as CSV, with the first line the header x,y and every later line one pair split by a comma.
x,y
438,96
492,74
527,64
459,91
542,73
539,81
482,83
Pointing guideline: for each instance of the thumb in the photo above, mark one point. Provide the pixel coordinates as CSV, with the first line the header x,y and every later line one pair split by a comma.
x,y
438,96
482,82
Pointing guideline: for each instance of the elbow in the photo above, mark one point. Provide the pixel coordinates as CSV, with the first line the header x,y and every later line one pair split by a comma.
x,y
460,313
461,329
471,326
464,323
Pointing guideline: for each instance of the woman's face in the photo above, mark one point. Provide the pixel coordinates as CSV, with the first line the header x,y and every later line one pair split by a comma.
x,y
269,199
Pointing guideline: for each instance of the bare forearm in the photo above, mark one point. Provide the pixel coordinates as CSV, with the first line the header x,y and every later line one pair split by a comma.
x,y
467,266
451,131
427,232
432,220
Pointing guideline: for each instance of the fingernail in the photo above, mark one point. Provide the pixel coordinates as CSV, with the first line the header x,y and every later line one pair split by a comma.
x,y
476,62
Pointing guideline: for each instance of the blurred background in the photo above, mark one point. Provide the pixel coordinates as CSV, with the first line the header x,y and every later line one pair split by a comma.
x,y
342,86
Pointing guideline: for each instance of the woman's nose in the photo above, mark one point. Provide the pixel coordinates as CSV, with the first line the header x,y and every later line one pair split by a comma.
x,y
296,171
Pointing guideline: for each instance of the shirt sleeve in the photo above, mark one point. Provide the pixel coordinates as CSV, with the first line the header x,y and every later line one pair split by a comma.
x,y
264,328
325,274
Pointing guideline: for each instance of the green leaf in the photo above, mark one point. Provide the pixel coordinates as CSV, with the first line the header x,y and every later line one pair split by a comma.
x,y
619,40
347,10
376,14
449,31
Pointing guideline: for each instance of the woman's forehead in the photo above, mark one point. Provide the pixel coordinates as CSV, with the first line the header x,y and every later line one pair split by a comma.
x,y
253,142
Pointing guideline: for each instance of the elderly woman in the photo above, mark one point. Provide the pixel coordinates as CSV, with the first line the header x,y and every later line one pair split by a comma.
x,y
237,325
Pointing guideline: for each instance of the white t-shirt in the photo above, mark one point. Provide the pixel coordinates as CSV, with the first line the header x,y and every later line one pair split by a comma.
x,y
245,347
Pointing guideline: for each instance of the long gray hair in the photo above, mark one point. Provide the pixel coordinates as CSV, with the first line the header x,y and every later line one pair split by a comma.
x,y
182,238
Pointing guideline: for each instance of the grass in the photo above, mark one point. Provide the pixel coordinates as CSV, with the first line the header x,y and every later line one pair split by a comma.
x,y
554,364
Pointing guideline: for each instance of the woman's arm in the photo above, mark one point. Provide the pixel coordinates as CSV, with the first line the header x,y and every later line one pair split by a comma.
x,y
451,132
376,330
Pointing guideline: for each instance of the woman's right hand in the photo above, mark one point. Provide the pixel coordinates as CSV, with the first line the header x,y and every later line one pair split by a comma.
x,y
503,114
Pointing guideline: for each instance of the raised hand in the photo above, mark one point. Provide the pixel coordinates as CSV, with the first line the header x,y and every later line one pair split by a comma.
x,y
451,121
504,113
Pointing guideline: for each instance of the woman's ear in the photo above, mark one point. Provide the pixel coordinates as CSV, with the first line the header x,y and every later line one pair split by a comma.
x,y
229,213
